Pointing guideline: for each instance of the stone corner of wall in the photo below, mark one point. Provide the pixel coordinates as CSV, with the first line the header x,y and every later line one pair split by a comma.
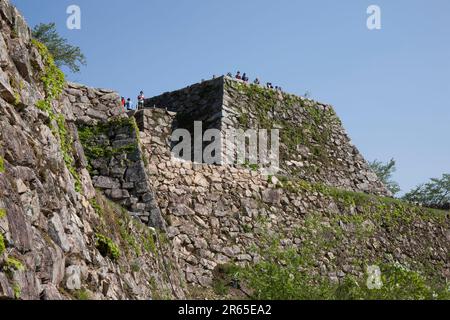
x,y
90,106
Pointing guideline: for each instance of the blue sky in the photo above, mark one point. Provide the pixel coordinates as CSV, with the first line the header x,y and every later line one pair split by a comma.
x,y
391,87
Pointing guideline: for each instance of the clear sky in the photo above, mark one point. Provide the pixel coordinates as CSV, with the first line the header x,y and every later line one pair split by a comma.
x,y
391,87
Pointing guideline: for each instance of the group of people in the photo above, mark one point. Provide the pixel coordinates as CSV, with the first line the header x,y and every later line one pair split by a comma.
x,y
245,78
129,105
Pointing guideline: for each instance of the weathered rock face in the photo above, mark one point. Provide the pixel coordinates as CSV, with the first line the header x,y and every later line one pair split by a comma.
x,y
59,239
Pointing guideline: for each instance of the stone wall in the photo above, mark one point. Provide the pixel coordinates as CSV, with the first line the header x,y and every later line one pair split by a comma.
x,y
200,102
220,214
91,106
314,145
62,239
114,157
117,167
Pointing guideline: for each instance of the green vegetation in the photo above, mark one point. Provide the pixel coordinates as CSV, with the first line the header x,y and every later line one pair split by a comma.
x,y
12,265
17,99
253,167
52,78
95,139
17,291
398,283
336,237
2,165
66,148
129,238
434,194
384,171
221,288
107,247
225,277
2,240
96,206
158,294
270,112
2,244
285,274
388,211
134,238
82,295
17,87
64,54
53,81
149,243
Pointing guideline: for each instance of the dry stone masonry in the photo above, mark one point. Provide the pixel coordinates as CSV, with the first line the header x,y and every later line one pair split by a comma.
x,y
94,205
117,166
219,215
91,106
314,145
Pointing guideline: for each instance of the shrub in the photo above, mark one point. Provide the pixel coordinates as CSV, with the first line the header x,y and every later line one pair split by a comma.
x,y
286,275
2,245
398,282
13,264
2,213
107,247
2,165
82,295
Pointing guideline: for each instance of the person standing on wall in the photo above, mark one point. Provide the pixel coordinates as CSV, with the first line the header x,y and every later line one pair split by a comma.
x,y
141,100
129,105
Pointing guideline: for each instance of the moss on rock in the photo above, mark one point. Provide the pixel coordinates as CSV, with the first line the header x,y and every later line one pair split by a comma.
x,y
2,165
2,244
107,247
53,81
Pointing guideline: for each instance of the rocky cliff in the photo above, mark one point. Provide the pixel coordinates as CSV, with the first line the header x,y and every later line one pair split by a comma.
x,y
59,237
93,205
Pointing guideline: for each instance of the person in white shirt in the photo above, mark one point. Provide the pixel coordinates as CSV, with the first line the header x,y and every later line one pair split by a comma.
x,y
129,105
141,100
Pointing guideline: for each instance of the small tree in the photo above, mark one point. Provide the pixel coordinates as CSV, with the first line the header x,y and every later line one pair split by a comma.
x,y
63,53
434,194
384,171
